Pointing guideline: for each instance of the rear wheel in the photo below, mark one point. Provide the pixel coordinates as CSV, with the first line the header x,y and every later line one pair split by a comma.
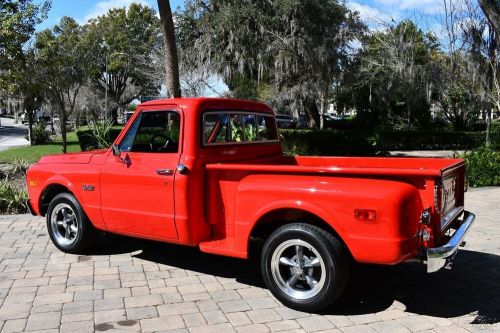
x,y
69,228
305,267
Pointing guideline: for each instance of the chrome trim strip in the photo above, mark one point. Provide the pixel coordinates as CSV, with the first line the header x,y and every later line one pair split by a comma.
x,y
438,257
451,216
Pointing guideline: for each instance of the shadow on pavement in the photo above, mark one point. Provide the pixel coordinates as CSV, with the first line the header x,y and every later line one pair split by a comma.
x,y
472,286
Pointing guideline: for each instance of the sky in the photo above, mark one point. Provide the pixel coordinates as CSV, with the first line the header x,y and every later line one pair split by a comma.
x,y
83,10
371,11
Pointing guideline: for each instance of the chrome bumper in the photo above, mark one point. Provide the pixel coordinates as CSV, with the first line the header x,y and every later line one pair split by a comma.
x,y
438,257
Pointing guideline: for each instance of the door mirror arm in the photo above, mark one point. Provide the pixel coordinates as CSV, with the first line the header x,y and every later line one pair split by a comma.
x,y
117,153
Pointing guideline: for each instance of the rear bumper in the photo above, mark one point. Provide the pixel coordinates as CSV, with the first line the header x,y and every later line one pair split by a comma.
x,y
438,257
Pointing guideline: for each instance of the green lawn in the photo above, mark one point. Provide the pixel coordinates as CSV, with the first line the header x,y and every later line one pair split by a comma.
x,y
33,153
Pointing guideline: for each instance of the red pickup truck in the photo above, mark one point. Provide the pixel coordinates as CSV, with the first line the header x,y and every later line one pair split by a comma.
x,y
211,173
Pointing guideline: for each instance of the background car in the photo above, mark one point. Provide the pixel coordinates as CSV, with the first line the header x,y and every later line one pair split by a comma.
x,y
285,121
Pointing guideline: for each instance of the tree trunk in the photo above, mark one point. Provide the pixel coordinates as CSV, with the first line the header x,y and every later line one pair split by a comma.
x,y
62,119
171,59
492,11
488,127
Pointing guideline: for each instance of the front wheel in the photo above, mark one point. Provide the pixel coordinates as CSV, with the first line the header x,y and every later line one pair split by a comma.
x,y
69,228
304,266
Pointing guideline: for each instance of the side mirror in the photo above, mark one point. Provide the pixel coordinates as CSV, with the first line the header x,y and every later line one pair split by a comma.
x,y
116,150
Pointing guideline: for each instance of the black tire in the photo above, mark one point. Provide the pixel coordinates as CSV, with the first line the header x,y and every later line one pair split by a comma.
x,y
329,256
85,233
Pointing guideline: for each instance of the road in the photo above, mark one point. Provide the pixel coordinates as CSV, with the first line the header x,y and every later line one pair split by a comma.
x,y
141,286
12,135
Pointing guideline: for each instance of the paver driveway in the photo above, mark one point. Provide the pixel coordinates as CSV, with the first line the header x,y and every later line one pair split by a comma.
x,y
138,285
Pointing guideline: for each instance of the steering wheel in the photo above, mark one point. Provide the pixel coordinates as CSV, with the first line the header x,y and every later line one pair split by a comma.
x,y
165,138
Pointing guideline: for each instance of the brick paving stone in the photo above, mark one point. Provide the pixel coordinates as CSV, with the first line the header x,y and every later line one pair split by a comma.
x,y
82,316
359,329
215,317
14,325
88,295
287,313
177,309
78,327
262,303
117,292
162,324
108,304
138,301
143,312
263,316
207,305
14,299
109,316
416,323
283,325
255,328
43,321
194,319
77,307
47,308
315,323
234,306
18,312
219,328
53,299
225,295
389,326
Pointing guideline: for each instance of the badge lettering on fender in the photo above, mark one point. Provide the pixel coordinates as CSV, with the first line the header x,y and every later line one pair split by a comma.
x,y
88,187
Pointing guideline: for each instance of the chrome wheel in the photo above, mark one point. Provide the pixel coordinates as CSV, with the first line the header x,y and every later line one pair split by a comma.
x,y
64,224
298,269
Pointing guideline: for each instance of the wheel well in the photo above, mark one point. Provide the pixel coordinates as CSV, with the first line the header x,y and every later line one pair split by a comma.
x,y
271,221
48,194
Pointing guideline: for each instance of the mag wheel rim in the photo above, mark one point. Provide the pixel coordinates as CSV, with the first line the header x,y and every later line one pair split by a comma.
x,y
298,269
64,224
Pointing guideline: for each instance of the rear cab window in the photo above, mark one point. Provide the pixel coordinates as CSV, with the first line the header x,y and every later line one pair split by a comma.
x,y
236,127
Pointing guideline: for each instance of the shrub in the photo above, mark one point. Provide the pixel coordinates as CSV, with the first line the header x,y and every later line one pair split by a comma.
x,y
88,141
16,168
12,198
483,167
39,135
427,140
327,142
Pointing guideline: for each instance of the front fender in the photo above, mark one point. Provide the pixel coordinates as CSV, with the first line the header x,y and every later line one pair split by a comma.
x,y
72,177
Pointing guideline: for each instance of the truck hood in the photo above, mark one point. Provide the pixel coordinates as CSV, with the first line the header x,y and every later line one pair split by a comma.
x,y
71,158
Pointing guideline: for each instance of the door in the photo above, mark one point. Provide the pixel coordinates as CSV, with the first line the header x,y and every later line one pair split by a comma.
x,y
137,187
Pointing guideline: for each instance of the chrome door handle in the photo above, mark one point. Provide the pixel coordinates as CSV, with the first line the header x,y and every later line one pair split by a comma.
x,y
165,172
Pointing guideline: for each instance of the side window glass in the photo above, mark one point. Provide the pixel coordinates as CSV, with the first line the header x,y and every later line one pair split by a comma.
x,y
216,128
250,128
158,132
267,128
237,128
233,127
128,140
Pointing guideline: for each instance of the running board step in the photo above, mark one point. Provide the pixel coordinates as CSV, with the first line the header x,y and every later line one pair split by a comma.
x,y
224,247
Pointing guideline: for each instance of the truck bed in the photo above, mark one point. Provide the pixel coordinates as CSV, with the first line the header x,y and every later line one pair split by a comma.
x,y
374,166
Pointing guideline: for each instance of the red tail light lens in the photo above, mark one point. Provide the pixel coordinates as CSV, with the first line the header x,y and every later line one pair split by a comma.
x,y
365,215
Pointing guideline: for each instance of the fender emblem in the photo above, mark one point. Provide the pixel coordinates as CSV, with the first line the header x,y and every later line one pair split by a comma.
x,y
88,187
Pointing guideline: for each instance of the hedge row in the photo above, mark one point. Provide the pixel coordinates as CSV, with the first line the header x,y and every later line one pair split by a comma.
x,y
417,140
327,142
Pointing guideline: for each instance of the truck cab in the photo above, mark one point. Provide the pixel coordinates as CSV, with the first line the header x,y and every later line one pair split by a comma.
x,y
210,173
